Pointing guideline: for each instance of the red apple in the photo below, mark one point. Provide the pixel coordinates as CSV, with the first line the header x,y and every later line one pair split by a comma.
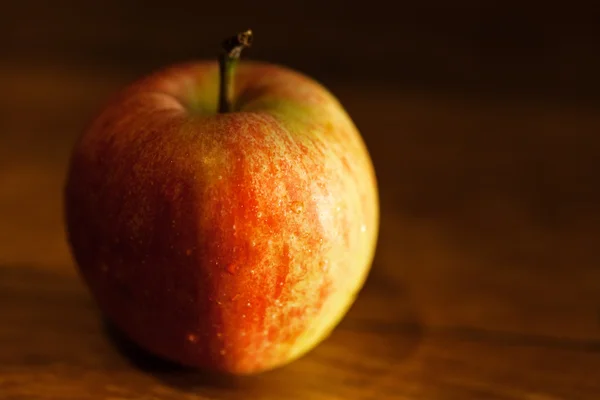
x,y
232,241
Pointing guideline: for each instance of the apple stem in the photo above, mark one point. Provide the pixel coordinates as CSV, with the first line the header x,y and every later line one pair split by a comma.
x,y
228,60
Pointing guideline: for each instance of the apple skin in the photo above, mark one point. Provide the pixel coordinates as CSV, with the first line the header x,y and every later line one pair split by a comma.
x,y
232,242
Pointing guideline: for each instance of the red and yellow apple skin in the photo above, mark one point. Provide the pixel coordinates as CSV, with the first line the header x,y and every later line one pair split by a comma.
x,y
233,242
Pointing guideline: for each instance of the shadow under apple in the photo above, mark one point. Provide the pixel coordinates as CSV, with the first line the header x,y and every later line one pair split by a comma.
x,y
166,371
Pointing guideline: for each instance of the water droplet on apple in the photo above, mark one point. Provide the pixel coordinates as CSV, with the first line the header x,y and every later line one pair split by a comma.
x,y
192,338
297,207
234,227
248,304
324,264
338,209
251,272
363,228
220,177
219,335
243,315
253,243
243,333
258,214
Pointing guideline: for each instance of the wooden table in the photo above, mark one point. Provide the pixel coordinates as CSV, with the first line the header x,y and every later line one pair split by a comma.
x,y
486,283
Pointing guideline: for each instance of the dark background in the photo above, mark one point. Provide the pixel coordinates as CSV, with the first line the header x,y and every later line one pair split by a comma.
x,y
483,123
525,48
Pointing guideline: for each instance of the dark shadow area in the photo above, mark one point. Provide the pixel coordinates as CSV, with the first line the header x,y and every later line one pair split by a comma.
x,y
170,373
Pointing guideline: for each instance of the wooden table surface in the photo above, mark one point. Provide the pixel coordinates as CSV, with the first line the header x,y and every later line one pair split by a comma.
x,y
486,282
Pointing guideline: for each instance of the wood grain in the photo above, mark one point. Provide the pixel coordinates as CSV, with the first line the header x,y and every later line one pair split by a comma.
x,y
486,282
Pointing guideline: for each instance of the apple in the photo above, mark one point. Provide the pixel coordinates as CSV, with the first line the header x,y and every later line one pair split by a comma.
x,y
223,215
